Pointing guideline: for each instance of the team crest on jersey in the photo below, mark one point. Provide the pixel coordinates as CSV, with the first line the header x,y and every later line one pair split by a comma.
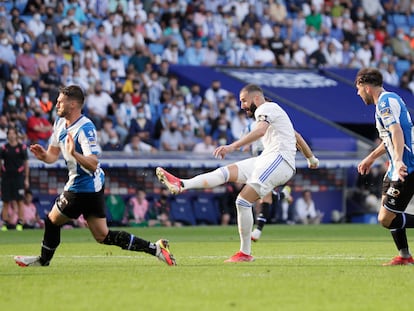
x,y
92,139
385,112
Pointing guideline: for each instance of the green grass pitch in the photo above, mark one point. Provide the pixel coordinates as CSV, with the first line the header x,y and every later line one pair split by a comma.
x,y
325,267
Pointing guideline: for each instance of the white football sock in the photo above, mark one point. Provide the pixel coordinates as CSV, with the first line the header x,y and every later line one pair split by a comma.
x,y
207,180
245,224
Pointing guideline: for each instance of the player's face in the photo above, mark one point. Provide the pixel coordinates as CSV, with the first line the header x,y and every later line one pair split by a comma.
x,y
247,103
62,106
363,93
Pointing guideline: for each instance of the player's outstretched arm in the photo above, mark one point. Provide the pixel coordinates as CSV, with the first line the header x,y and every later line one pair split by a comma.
x,y
304,148
48,156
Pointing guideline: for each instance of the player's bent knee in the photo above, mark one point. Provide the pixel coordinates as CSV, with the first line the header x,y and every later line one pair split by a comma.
x,y
385,220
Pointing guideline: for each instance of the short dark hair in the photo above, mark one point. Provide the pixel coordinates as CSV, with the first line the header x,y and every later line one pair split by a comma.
x,y
73,92
250,88
370,76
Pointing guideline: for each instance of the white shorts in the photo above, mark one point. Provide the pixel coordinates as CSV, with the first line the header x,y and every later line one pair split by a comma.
x,y
264,173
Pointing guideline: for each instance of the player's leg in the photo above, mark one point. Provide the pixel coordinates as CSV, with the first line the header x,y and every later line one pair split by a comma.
x,y
5,215
51,240
128,241
262,216
211,179
244,205
96,219
396,196
19,196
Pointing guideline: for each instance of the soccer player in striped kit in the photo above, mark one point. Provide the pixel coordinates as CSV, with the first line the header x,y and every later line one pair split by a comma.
x,y
74,135
395,129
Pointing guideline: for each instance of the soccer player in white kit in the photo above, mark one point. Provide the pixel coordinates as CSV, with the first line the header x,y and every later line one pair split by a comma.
x,y
260,174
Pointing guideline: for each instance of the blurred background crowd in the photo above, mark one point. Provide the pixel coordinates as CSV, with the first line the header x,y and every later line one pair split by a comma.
x,y
120,53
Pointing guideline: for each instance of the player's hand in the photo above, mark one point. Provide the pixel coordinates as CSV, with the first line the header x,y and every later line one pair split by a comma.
x,y
401,168
70,145
38,151
364,166
221,151
313,162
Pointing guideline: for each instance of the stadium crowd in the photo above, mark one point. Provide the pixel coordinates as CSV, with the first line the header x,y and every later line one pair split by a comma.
x,y
119,52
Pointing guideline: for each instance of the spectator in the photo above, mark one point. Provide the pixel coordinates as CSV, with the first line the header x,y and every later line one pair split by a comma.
x,y
277,11
32,219
5,22
88,51
64,43
193,97
46,40
333,56
115,39
114,143
153,31
7,56
305,209
211,54
162,210
133,41
66,77
15,111
171,138
44,58
46,104
364,54
317,59
137,147
137,209
189,138
173,34
222,134
308,42
100,42
400,46
38,128
13,83
299,58
27,65
32,100
116,208
23,34
125,113
214,95
140,58
238,124
206,146
264,56
88,72
171,53
117,63
36,25
50,81
141,126
194,54
99,105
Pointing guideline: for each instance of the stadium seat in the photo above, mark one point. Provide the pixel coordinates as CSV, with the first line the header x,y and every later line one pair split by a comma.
x,y
206,210
181,210
402,66
399,20
156,48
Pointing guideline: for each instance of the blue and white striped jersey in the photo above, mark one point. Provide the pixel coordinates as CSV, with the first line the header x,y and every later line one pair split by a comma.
x,y
84,135
390,110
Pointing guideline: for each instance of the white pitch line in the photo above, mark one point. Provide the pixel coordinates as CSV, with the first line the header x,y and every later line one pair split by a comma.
x,y
309,257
